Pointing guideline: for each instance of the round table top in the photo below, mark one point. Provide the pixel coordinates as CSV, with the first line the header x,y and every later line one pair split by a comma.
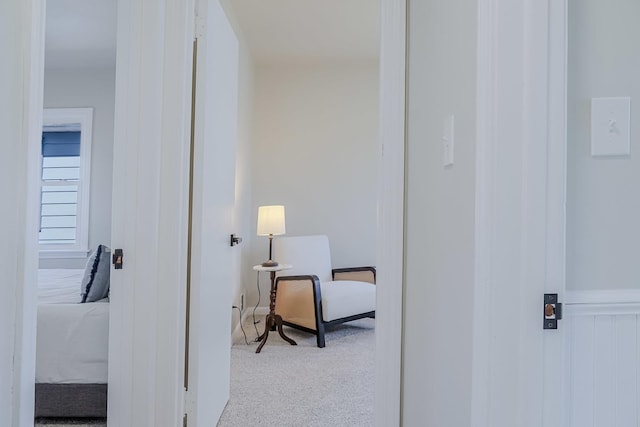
x,y
278,267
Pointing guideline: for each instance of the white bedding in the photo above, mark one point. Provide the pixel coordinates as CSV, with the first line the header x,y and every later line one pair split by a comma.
x,y
59,285
72,338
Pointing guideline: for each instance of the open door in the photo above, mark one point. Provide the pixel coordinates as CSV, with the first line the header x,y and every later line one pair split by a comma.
x,y
213,199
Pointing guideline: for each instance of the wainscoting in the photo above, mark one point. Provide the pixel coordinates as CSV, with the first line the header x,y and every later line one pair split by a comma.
x,y
603,356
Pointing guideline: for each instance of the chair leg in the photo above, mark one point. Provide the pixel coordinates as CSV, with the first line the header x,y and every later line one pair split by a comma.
x,y
320,336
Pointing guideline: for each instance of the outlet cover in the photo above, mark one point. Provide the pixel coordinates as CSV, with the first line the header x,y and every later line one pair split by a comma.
x,y
610,126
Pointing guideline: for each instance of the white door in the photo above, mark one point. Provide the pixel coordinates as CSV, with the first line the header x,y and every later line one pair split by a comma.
x,y
151,215
216,106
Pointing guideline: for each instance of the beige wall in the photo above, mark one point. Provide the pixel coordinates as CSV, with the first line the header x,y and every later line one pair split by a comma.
x,y
242,216
440,209
603,202
314,150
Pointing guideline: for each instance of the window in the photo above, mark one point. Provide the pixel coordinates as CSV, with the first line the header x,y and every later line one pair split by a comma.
x,y
64,189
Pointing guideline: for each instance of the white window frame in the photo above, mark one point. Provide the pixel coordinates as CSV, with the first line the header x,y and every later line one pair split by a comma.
x,y
84,116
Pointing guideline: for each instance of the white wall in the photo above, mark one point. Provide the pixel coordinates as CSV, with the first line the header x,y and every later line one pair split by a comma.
x,y
89,88
242,215
603,205
440,208
242,218
315,151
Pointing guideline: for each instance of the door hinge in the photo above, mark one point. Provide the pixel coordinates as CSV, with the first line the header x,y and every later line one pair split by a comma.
x,y
199,26
552,311
188,405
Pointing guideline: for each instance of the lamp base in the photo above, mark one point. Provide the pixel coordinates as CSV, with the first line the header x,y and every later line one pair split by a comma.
x,y
270,263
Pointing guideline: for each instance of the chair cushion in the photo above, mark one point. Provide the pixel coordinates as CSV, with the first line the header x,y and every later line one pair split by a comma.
x,y
344,298
307,255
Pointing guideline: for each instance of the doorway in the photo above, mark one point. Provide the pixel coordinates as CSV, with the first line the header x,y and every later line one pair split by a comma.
x,y
75,209
314,143
127,388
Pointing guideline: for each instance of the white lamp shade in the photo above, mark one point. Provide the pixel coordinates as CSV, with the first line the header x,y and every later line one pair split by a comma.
x,y
271,220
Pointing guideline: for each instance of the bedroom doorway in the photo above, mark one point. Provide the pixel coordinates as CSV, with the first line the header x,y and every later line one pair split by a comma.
x,y
291,83
72,337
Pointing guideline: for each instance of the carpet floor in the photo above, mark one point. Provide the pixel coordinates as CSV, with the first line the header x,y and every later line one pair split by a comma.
x,y
303,385
295,386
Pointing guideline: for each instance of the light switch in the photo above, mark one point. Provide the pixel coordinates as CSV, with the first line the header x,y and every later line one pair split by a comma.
x,y
610,129
447,141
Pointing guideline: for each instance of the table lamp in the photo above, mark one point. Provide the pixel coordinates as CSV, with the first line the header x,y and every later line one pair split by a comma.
x,y
270,223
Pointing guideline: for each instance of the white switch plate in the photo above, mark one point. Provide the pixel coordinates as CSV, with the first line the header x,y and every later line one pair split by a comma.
x,y
610,126
447,141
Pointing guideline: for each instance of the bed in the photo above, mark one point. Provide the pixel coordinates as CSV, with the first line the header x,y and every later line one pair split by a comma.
x,y
71,348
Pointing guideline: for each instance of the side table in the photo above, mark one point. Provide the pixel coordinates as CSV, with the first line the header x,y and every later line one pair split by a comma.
x,y
273,320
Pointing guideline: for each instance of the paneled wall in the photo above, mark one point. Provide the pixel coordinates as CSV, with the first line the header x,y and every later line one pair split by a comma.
x,y
603,355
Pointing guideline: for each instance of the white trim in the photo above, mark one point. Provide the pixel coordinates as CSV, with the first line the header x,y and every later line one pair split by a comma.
x,y
22,69
519,217
390,227
601,309
557,343
57,254
611,297
485,171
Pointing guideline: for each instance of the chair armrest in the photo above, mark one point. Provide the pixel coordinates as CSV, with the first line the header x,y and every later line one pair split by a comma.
x,y
361,274
298,300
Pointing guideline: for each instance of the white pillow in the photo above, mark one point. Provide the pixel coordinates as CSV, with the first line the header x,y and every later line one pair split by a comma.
x,y
95,281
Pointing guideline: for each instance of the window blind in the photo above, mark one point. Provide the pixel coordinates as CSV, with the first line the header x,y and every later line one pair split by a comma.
x,y
61,144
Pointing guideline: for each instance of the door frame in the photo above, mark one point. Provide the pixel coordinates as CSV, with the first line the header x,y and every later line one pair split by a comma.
x,y
390,224
166,29
19,261
521,167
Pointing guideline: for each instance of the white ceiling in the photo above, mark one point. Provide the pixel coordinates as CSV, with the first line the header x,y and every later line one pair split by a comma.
x,y
309,30
82,33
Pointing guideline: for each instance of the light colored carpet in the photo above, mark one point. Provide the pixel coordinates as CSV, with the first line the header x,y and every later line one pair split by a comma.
x,y
296,386
303,385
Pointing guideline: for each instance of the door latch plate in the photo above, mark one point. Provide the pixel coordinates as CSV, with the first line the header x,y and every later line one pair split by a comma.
x,y
117,259
552,311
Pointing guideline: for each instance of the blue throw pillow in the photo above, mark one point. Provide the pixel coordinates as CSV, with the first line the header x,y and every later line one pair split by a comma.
x,y
95,282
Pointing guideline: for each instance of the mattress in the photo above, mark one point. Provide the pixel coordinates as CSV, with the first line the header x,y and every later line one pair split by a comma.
x,y
72,338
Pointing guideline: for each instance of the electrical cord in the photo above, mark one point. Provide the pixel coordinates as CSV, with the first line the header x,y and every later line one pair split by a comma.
x,y
257,304
241,327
